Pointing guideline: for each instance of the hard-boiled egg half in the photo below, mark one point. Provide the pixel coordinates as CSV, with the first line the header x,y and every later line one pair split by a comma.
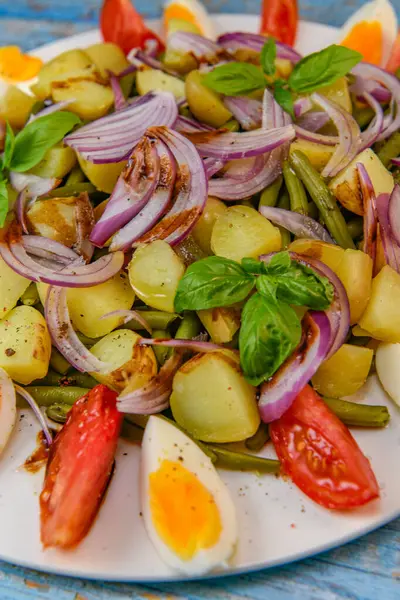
x,y
188,15
16,67
371,30
8,410
388,369
187,510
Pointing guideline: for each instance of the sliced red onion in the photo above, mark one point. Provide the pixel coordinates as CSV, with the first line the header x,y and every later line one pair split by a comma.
x,y
119,98
212,166
349,135
51,109
369,204
302,105
132,191
64,336
396,161
311,136
49,249
37,412
300,225
378,91
154,396
313,121
190,189
111,138
236,40
196,45
231,145
390,247
278,393
84,223
20,209
138,58
394,213
247,111
156,206
129,315
188,125
371,134
194,345
368,72
33,185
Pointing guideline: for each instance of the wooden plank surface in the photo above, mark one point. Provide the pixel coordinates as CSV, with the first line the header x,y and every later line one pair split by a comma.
x,y
368,569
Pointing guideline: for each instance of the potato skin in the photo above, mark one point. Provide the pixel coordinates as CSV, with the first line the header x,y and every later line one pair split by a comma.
x,y
12,286
344,373
71,61
381,317
205,104
202,231
16,106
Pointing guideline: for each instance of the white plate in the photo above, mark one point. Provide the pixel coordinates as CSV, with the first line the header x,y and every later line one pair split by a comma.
x,y
278,524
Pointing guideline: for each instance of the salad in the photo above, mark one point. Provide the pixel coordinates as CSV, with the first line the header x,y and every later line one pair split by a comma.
x,y
200,251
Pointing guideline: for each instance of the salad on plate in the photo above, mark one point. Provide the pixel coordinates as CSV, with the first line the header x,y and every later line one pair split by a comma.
x,y
200,252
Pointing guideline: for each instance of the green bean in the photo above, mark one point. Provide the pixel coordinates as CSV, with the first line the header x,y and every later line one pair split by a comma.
x,y
363,116
259,439
46,395
313,211
231,125
359,415
323,198
390,149
296,191
30,297
284,200
155,318
355,227
58,412
72,190
75,176
239,461
269,196
73,379
58,362
189,327
189,251
162,352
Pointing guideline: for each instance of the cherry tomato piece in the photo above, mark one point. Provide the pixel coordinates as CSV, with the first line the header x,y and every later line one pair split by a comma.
x,y
279,18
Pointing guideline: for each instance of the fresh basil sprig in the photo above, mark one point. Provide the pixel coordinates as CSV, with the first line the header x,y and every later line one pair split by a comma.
x,y
268,57
235,79
3,201
8,147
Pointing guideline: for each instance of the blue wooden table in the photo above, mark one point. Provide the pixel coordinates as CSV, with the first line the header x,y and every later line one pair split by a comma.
x,y
368,569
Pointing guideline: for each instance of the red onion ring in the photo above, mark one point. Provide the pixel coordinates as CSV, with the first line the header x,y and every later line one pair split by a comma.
x,y
36,411
313,121
129,315
196,45
188,125
247,111
20,207
119,98
312,136
33,185
43,247
235,40
212,166
302,105
300,225
138,58
394,213
278,393
389,243
371,134
50,110
370,223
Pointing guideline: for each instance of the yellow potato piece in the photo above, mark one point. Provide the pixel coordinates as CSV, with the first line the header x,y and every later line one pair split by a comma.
x,y
381,317
202,231
355,272
344,373
108,57
148,80
92,96
16,106
57,163
212,400
25,345
205,104
329,254
318,154
338,92
221,323
63,64
104,177
12,286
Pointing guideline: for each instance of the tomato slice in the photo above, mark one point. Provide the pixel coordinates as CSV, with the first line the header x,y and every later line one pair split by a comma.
x,y
121,24
394,60
321,456
279,18
79,468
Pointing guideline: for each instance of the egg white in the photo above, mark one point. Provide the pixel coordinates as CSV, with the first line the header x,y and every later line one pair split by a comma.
x,y
164,441
387,362
204,21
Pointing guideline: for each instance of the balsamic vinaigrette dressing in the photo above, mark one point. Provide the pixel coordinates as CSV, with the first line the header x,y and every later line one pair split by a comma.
x,y
39,456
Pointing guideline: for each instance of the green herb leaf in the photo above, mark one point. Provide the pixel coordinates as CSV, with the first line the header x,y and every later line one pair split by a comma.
x,y
235,79
284,97
213,282
252,265
3,202
269,333
279,263
8,147
268,57
32,143
323,68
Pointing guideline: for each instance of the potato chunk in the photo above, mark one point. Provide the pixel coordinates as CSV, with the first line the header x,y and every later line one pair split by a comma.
x,y
381,317
317,154
104,177
12,286
212,400
15,106
329,254
92,96
203,229
339,93
148,80
154,273
109,57
131,363
63,64
355,272
25,344
344,373
57,163
242,232
205,104
221,323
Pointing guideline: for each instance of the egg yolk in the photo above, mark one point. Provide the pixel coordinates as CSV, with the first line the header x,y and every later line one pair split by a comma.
x,y
183,511
176,11
16,67
367,38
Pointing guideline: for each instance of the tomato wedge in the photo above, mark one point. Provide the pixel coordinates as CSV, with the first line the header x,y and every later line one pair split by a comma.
x,y
79,468
394,60
321,456
279,18
121,24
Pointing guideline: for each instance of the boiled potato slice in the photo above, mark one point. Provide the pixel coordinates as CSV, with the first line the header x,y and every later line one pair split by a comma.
x,y
57,163
203,229
242,232
67,62
387,361
107,57
92,96
148,80
212,400
103,177
221,323
344,373
25,345
205,104
154,273
88,305
338,92
15,106
130,362
381,317
355,272
12,286
317,154
329,254
345,185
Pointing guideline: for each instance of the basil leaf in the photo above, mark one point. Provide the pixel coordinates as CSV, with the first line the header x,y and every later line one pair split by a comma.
x,y
32,143
3,202
284,97
268,57
254,266
302,286
212,282
323,68
8,146
235,79
279,263
269,333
